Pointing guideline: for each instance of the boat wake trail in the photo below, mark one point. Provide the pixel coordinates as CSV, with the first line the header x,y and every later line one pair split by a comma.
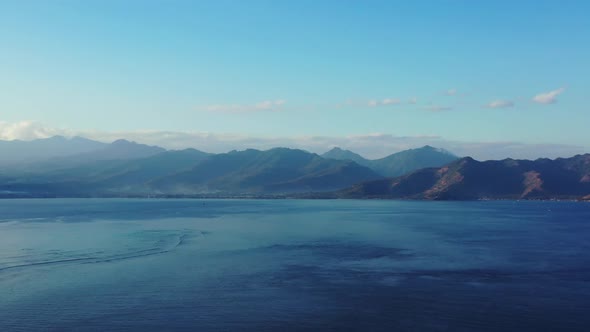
x,y
164,242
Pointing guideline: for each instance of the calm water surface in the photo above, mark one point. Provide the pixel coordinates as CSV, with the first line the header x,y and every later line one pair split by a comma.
x,y
293,265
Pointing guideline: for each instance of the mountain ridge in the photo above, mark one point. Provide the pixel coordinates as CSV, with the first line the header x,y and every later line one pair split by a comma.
x,y
18,151
128,168
468,179
274,170
398,163
279,170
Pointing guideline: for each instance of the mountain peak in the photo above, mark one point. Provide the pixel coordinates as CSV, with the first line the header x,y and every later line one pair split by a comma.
x,y
56,138
430,148
124,149
80,138
341,154
466,160
407,161
122,141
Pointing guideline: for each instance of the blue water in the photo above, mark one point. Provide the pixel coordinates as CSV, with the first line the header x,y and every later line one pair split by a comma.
x,y
293,265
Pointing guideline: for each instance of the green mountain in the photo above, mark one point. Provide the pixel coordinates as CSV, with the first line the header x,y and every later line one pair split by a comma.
x,y
278,170
399,163
191,172
467,179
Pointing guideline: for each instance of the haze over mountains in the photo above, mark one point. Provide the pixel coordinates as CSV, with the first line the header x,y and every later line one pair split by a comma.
x,y
62,167
129,168
75,149
17,151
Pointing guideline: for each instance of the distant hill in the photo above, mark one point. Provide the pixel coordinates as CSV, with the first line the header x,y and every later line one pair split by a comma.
x,y
190,171
121,149
122,174
341,154
18,152
272,171
117,150
467,179
59,152
399,163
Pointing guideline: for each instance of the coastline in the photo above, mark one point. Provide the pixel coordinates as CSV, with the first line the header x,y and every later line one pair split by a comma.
x,y
306,196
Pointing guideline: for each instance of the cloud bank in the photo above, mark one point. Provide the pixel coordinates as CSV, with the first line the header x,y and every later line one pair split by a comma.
x,y
25,130
371,146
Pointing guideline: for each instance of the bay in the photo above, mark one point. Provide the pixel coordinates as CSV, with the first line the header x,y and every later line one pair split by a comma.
x,y
293,265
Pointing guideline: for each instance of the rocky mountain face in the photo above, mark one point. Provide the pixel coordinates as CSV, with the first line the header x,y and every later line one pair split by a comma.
x,y
467,179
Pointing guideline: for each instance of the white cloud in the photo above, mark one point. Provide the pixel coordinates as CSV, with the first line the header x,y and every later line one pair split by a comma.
x,y
373,103
548,97
438,108
500,104
384,102
390,101
413,100
451,92
25,130
266,105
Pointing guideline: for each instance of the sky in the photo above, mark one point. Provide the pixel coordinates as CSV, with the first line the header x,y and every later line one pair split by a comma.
x,y
490,78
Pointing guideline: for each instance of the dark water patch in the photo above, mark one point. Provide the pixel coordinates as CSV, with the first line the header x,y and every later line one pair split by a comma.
x,y
343,251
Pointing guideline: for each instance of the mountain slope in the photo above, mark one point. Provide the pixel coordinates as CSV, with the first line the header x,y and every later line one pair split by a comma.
x,y
272,171
134,175
407,161
121,149
341,154
467,179
118,150
399,163
16,152
118,175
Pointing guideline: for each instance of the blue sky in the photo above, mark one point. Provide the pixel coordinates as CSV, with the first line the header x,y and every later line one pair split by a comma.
x,y
461,71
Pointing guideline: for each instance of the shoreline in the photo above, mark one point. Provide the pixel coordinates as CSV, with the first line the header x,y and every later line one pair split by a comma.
x,y
278,197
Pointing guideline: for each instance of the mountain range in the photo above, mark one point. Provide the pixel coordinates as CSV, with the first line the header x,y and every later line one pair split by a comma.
x,y
128,168
279,170
192,172
469,179
398,163
78,167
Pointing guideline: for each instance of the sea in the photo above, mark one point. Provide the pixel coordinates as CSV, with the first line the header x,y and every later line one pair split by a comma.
x,y
293,265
